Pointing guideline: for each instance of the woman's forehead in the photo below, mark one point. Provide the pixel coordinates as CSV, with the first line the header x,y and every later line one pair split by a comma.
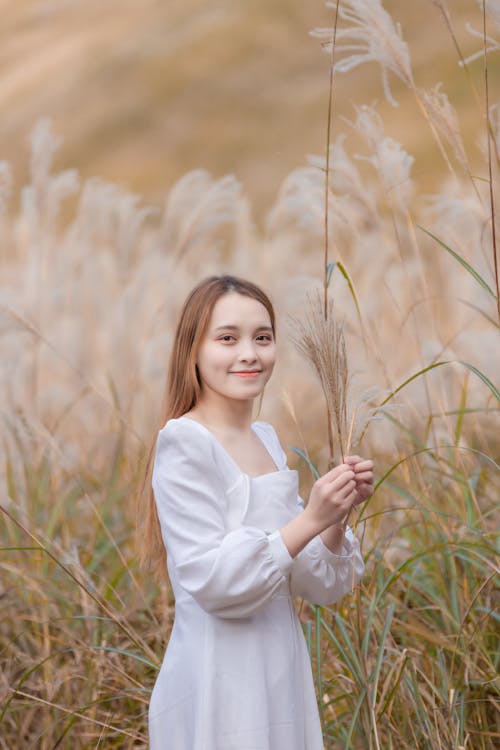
x,y
238,310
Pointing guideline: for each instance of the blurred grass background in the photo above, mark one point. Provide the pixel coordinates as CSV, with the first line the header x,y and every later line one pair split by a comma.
x,y
142,92
146,95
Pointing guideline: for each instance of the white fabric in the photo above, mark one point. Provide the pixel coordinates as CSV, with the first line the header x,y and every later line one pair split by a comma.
x,y
236,673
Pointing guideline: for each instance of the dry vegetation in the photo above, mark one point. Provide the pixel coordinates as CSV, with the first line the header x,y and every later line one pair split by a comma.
x,y
92,278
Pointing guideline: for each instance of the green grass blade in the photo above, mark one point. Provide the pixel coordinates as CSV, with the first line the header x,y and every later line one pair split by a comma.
x,y
313,468
378,663
413,377
416,375
482,377
345,274
123,652
329,271
462,262
460,416
345,647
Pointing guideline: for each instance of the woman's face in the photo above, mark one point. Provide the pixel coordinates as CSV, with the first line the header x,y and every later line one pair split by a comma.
x,y
236,356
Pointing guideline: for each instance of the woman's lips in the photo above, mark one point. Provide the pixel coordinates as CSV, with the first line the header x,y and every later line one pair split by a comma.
x,y
246,374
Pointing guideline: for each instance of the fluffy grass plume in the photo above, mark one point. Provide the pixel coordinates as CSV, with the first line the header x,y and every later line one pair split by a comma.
x,y
320,339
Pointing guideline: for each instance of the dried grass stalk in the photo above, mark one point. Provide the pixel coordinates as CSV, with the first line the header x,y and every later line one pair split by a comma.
x,y
320,339
445,118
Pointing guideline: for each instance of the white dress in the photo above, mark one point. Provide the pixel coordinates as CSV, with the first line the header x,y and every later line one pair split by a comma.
x,y
236,673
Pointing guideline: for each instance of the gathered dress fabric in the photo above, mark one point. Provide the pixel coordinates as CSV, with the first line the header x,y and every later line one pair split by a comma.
x,y
236,673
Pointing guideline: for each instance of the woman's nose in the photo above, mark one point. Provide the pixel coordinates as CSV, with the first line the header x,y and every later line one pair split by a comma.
x,y
247,351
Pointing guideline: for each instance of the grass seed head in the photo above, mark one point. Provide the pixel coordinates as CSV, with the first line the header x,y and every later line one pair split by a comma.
x,y
369,34
320,339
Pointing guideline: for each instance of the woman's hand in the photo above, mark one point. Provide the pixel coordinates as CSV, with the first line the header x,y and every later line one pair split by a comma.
x,y
332,496
363,475
333,536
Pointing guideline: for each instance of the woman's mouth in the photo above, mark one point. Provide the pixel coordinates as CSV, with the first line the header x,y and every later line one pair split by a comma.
x,y
246,373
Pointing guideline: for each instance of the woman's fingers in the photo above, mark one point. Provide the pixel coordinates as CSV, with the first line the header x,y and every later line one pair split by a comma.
x,y
354,464
363,471
346,485
348,490
365,465
337,471
341,486
363,492
351,496
341,480
364,476
352,460
363,468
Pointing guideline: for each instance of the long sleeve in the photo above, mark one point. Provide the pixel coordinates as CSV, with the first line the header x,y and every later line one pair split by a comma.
x,y
229,574
318,574
323,577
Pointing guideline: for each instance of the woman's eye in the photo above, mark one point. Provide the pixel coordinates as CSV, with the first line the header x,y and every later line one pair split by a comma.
x,y
228,338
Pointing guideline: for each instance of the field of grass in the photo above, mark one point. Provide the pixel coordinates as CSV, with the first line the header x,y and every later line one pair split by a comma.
x,y
92,277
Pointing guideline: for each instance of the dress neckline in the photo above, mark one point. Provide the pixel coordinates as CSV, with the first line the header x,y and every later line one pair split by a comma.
x,y
224,450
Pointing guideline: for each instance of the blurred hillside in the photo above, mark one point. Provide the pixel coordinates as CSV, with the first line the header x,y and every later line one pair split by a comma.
x,y
142,92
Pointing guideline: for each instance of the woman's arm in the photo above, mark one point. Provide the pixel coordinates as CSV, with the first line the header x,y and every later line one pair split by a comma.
x,y
330,500
323,576
333,537
330,564
230,574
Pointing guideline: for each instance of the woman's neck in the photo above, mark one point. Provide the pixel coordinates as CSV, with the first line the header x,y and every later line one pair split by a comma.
x,y
224,415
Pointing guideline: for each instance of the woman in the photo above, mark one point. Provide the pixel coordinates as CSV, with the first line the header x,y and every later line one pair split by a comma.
x,y
240,544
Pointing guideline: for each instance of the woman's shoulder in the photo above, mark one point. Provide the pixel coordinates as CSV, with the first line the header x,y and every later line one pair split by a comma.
x,y
184,444
177,424
267,428
185,454
186,433
269,436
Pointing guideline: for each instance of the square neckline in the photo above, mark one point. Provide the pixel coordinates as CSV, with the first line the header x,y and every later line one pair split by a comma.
x,y
226,452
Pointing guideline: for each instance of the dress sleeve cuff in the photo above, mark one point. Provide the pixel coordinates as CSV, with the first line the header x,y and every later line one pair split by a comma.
x,y
280,552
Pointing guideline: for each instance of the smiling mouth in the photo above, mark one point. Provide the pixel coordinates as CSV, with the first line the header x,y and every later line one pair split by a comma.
x,y
245,373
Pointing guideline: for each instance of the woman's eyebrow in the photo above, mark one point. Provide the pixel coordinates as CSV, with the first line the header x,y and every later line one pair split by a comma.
x,y
236,328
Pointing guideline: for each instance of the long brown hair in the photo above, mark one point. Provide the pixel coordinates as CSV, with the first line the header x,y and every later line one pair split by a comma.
x,y
183,391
